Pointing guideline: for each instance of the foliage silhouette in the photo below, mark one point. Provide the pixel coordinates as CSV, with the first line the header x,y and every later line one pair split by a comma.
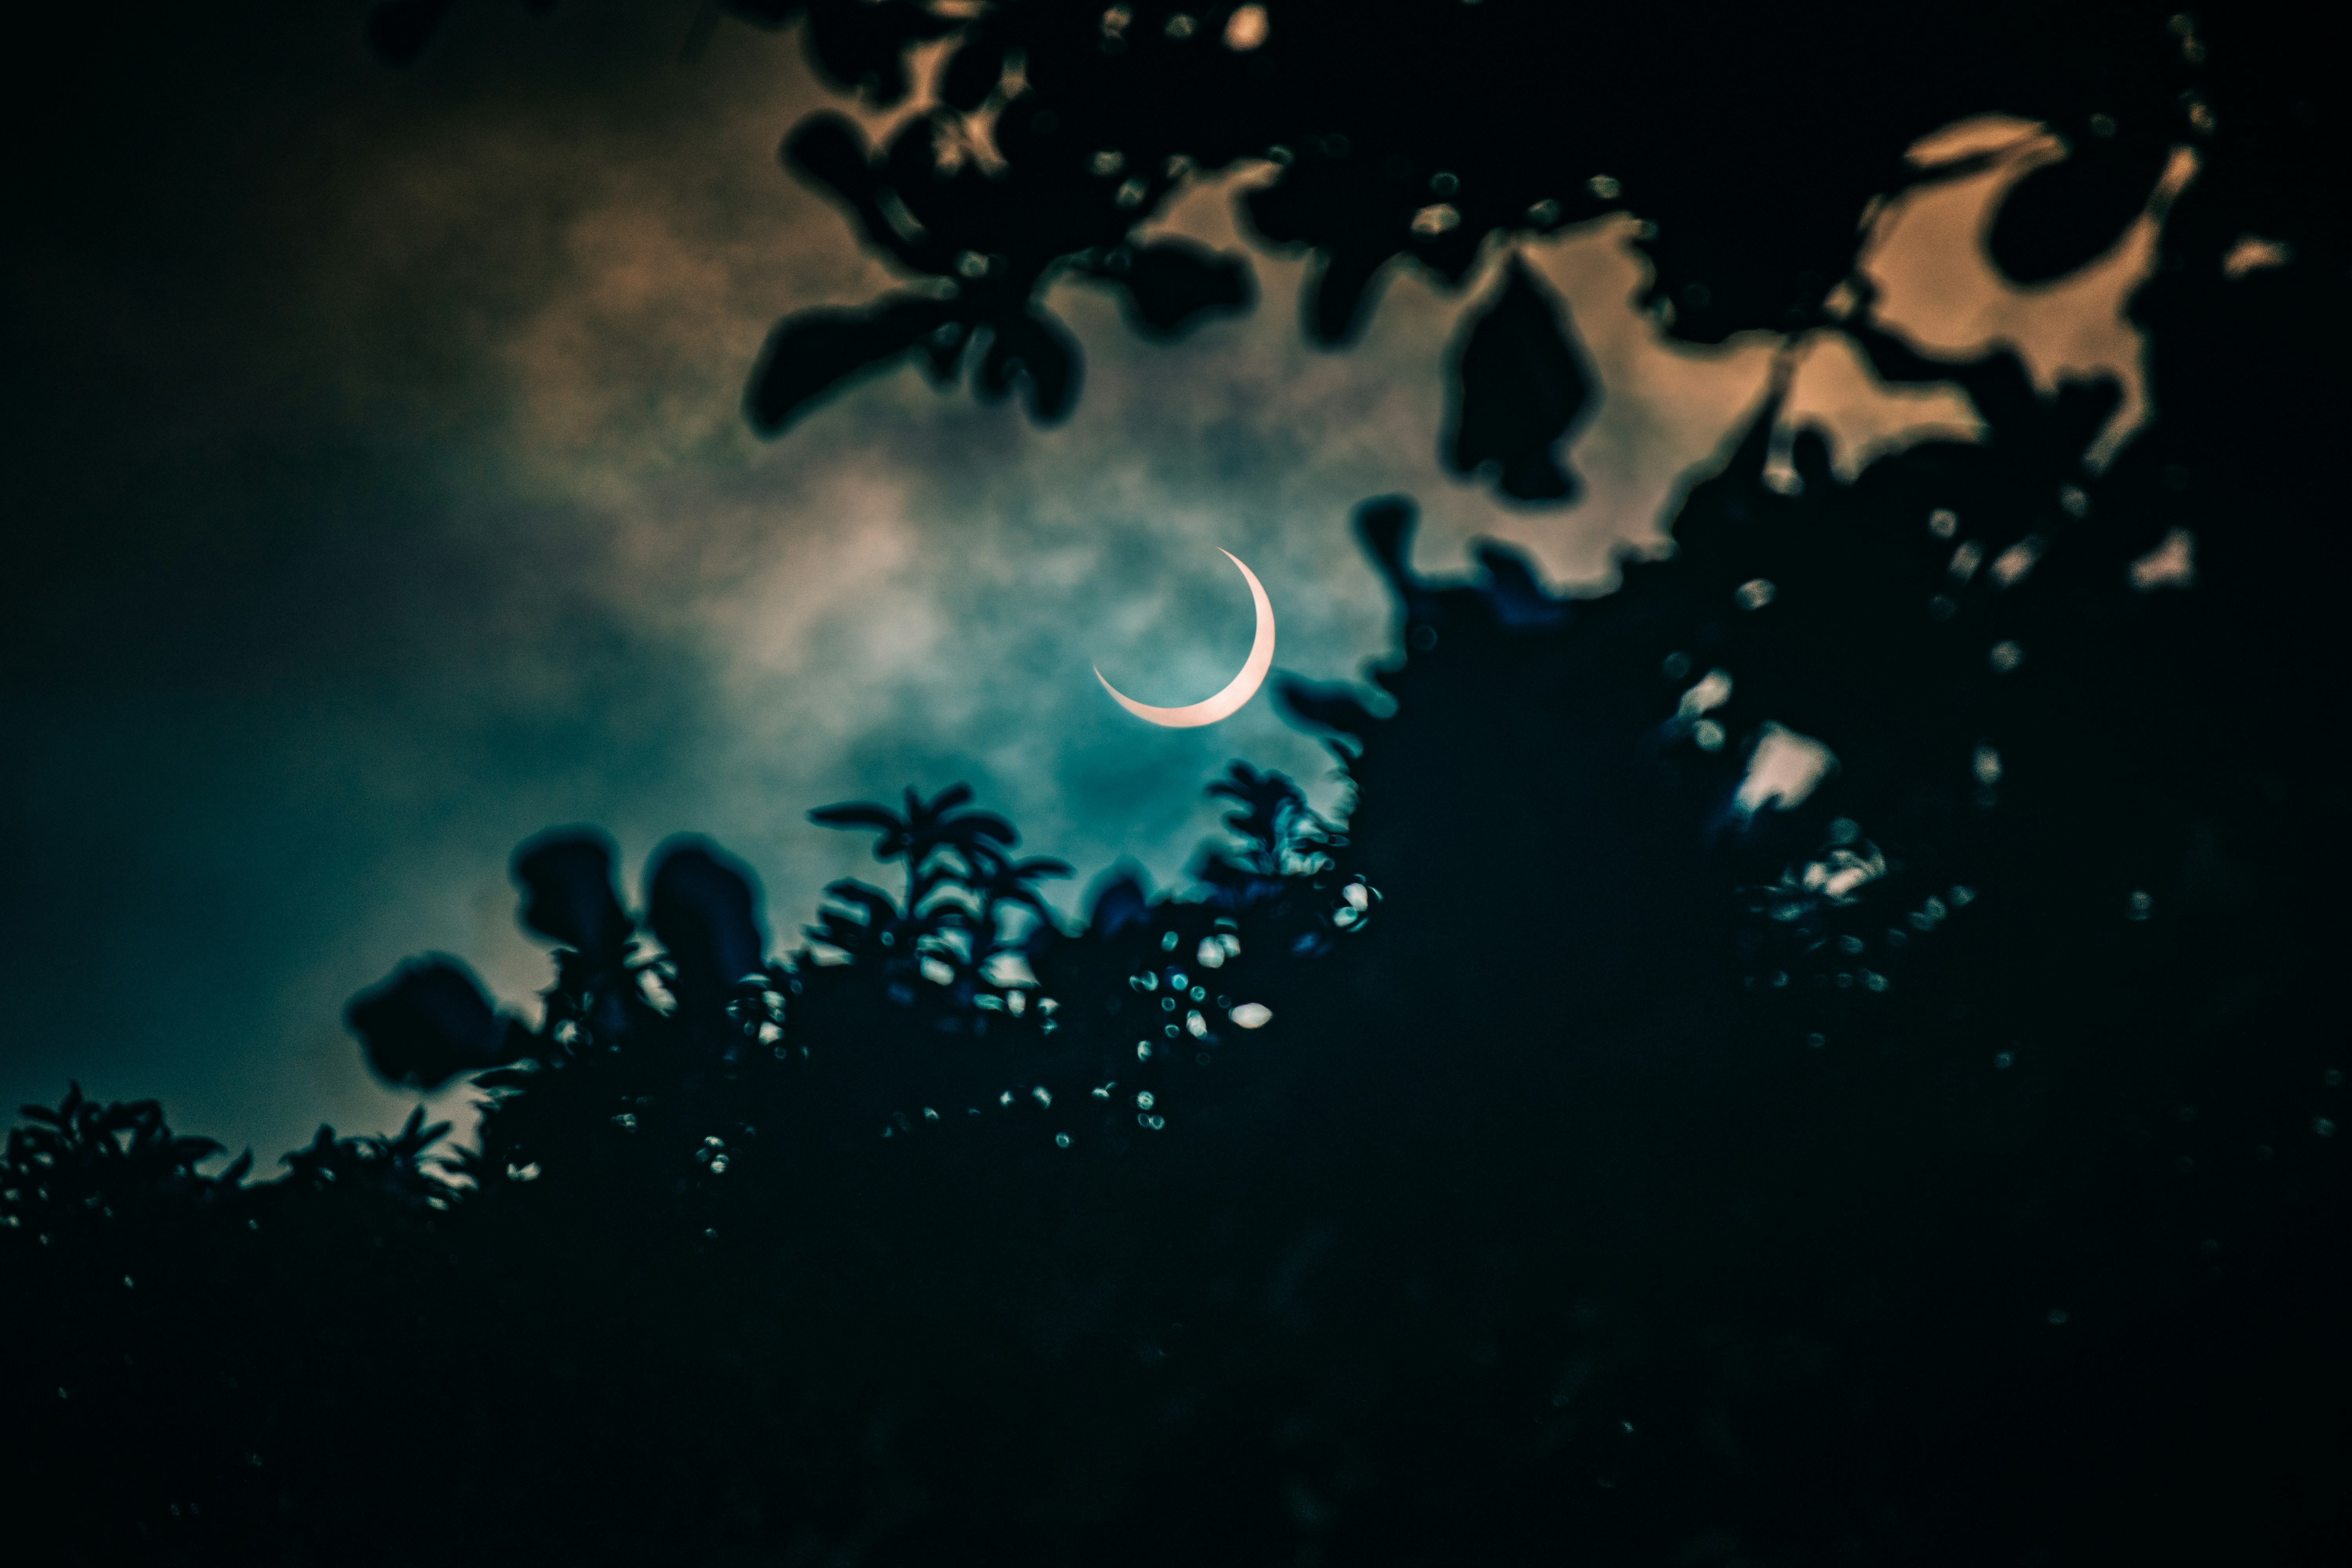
x,y
1422,134
428,1022
1938,1164
704,905
567,874
960,883
1521,389
1399,1258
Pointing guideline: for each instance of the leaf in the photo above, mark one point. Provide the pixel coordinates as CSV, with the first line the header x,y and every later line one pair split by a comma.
x,y
2067,214
943,352
857,814
1029,897
428,1022
1386,525
861,44
951,910
1511,588
837,929
979,824
1519,386
1119,903
813,351
189,1151
704,905
1245,783
1038,352
567,877
1331,706
879,907
973,73
1339,293
948,799
1170,287
830,149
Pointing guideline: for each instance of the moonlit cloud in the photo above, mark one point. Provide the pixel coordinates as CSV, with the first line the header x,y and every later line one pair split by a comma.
x,y
1937,288
1832,390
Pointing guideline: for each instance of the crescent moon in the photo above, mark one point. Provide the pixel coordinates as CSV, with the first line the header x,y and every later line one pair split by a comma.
x,y
1237,691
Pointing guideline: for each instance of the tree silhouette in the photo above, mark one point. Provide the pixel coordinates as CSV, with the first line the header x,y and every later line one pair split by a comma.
x,y
1843,1067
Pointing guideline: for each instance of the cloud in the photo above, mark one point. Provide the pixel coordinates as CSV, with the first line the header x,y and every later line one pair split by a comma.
x,y
1935,286
1832,389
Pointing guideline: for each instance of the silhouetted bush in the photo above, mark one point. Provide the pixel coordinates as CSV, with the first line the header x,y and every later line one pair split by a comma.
x,y
1610,1161
1577,1151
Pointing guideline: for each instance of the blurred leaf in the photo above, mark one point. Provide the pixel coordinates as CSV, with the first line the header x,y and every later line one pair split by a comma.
x,y
1329,706
703,904
1038,352
2067,214
881,909
926,812
428,1022
1170,287
860,43
858,813
972,72
829,148
1338,293
811,353
567,877
1519,386
1119,903
1520,601
977,824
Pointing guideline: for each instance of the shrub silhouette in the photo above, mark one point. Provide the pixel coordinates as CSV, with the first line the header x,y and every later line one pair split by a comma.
x,y
909,1252
1940,1167
428,1022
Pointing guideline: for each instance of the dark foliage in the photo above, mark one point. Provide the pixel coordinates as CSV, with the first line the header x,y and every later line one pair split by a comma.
x,y
1937,1170
1415,133
704,905
1171,285
813,352
1938,1164
2067,213
428,1022
1520,390
566,875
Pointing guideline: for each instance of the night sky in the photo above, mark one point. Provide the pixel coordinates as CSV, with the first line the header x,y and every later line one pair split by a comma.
x,y
383,496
